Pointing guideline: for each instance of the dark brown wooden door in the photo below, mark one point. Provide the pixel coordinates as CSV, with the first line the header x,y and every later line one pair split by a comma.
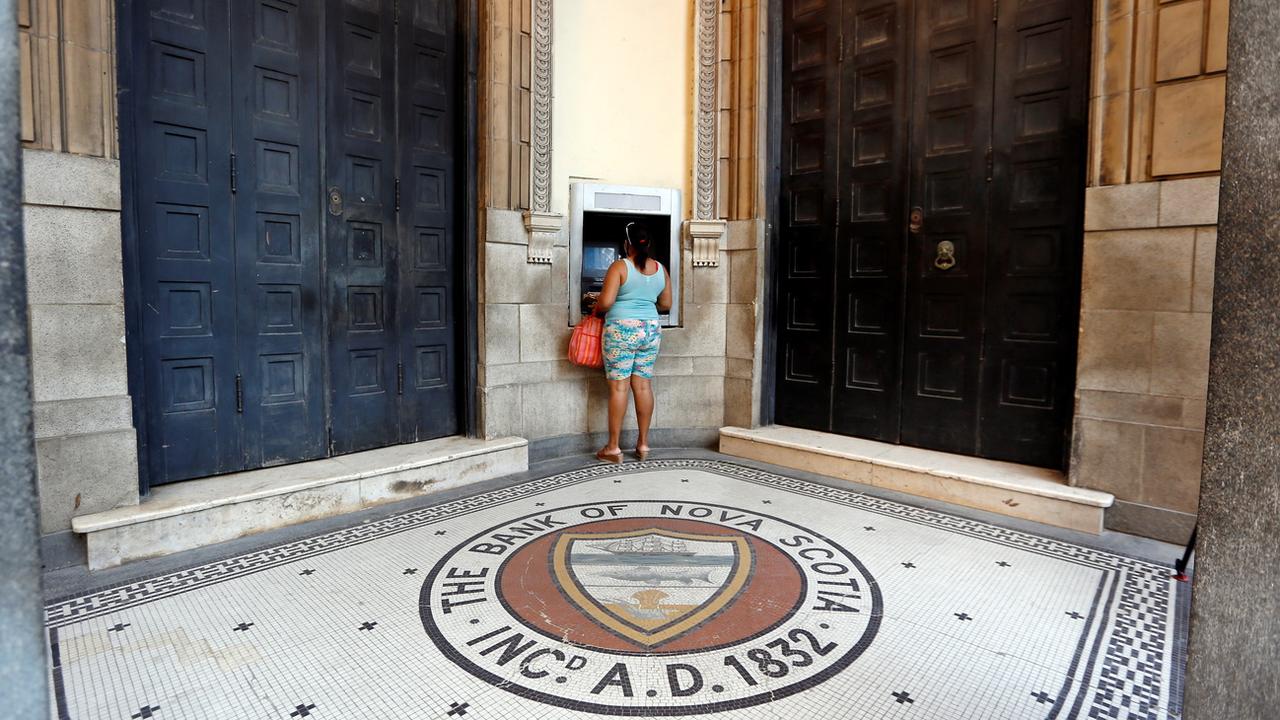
x,y
932,172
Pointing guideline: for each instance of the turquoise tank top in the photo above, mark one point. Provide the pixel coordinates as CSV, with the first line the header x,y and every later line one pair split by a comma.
x,y
638,295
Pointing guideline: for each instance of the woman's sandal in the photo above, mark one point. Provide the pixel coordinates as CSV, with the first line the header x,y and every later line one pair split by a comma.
x,y
642,454
615,458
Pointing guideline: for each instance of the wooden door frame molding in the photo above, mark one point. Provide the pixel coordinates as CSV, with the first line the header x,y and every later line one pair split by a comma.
x,y
468,323
772,168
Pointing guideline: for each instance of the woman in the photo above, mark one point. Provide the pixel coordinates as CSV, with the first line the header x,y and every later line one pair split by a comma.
x,y
636,289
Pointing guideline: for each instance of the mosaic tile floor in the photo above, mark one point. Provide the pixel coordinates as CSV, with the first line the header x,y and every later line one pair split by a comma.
x,y
662,588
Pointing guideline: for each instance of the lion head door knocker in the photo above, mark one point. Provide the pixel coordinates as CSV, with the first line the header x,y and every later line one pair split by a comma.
x,y
946,255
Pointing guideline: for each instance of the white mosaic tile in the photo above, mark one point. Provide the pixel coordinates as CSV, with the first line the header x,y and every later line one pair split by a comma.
x,y
662,588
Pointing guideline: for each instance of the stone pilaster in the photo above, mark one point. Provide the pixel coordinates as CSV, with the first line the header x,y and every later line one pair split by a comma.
x,y
1235,607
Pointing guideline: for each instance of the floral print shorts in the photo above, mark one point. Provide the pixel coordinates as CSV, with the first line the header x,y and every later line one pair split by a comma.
x,y
630,348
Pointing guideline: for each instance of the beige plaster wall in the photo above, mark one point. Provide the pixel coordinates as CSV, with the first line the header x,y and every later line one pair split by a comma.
x,y
622,77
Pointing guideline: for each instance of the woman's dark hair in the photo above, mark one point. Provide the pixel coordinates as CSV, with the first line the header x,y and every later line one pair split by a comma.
x,y
639,239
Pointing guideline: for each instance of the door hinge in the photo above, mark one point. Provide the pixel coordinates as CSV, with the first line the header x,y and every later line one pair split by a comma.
x,y
233,172
395,11
397,194
329,439
399,378
239,394
991,164
995,11
840,49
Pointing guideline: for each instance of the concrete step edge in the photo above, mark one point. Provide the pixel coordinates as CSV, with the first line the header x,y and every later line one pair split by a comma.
x,y
1015,478
202,494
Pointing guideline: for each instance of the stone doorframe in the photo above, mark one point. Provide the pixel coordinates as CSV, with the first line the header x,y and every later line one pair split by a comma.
x,y
706,229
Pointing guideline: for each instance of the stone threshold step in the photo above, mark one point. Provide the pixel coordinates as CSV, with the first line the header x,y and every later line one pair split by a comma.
x,y
194,513
1020,491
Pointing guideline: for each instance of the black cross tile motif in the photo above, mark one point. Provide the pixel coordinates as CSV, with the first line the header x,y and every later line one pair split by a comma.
x,y
302,711
118,627
410,571
962,616
539,504
615,482
458,709
242,626
767,502
685,480
1003,564
369,625
908,565
308,571
868,528
1074,615
440,532
903,697
1041,697
146,711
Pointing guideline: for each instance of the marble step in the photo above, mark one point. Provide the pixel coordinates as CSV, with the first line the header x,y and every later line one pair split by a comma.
x,y
195,513
1020,491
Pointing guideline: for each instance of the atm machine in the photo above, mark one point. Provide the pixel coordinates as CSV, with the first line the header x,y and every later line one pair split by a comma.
x,y
599,215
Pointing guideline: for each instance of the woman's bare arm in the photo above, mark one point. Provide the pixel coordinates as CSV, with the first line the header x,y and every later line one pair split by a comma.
x,y
664,299
612,281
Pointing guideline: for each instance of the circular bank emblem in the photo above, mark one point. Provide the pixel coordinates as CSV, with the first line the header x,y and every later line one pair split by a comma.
x,y
651,607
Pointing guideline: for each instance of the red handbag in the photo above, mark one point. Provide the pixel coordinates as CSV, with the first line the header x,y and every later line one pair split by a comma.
x,y
585,343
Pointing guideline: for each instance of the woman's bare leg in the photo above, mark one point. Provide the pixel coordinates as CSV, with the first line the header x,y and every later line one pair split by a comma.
x,y
617,409
643,391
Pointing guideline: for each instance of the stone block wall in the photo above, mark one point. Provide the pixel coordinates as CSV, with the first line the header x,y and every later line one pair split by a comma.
x,y
1143,367
1156,123
85,445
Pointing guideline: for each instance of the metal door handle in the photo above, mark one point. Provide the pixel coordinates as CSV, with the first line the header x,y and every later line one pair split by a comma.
x,y
917,221
335,201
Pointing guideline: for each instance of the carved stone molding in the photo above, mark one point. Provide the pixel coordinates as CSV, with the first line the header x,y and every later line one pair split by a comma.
x,y
542,224
706,114
705,237
544,229
540,132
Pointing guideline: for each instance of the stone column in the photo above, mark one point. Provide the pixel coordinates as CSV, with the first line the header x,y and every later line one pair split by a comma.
x,y
22,656
1234,659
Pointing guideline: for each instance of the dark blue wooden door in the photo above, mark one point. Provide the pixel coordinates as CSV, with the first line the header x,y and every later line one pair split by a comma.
x,y
296,294
360,175
275,137
186,254
428,116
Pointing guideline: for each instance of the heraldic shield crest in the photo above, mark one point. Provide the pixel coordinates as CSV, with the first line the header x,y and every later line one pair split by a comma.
x,y
652,585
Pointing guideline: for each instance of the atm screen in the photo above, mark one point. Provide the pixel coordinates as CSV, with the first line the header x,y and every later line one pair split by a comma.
x,y
596,260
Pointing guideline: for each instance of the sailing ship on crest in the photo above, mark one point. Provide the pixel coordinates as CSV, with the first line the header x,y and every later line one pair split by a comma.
x,y
647,548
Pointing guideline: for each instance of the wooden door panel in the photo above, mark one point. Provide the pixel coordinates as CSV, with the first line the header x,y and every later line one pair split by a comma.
x,y
807,205
951,131
1037,189
428,234
874,111
360,236
275,128
186,261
